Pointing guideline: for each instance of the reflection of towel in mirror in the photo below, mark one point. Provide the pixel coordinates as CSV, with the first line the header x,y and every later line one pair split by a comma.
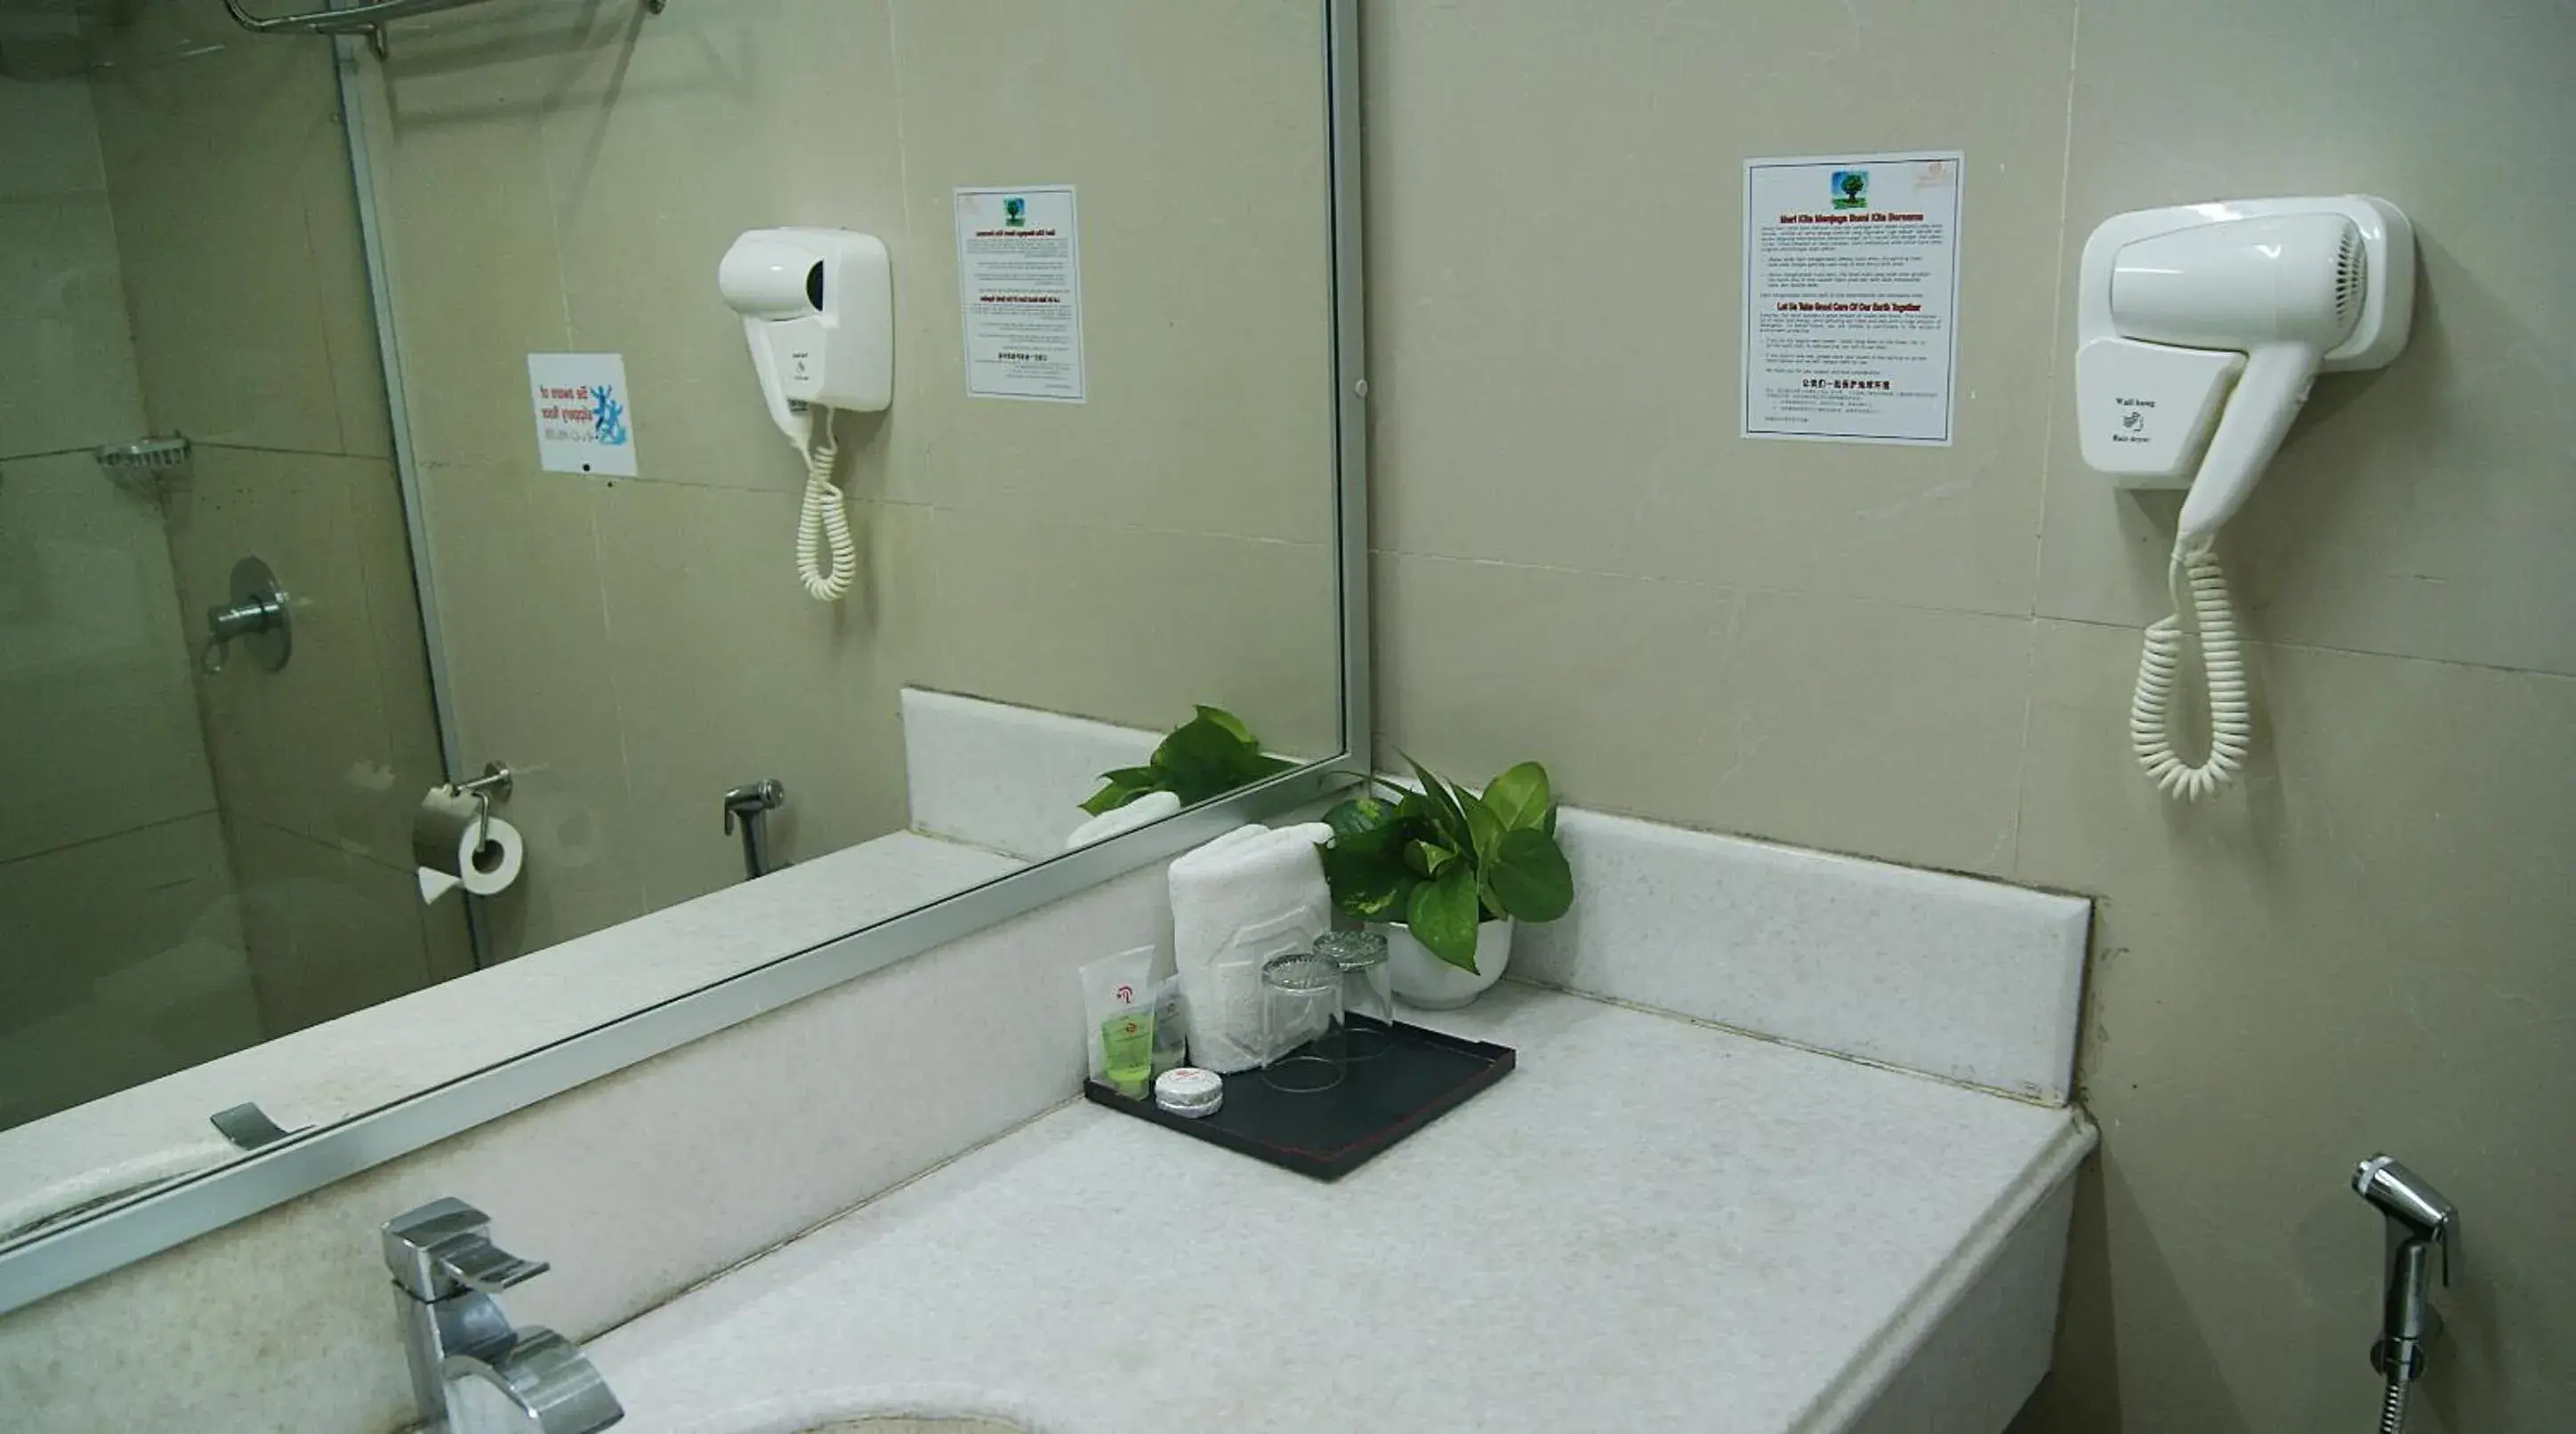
x,y
1236,902
1151,807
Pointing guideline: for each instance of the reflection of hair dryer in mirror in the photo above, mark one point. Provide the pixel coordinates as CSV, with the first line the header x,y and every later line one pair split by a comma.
x,y
2199,329
818,308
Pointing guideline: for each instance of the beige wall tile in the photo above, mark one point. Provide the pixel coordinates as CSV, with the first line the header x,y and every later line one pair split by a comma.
x,y
1796,718
2364,949
125,962
1192,136
67,376
726,672
309,748
1134,627
111,903
50,139
532,682
94,674
400,646
1555,249
350,340
1881,729
2421,510
1621,686
456,144
746,99
210,164
330,932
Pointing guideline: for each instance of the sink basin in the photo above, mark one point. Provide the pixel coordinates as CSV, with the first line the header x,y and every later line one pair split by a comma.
x,y
900,1424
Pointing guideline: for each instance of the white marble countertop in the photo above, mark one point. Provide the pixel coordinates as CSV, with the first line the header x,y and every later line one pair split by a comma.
x,y
1698,1229
383,1053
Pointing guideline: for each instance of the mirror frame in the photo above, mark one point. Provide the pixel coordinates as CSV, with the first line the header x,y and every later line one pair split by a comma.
x,y
171,1215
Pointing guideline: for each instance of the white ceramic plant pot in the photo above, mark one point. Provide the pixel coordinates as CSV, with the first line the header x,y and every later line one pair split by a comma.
x,y
1424,980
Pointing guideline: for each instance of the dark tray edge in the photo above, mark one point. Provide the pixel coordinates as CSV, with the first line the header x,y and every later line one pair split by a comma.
x,y
1499,1061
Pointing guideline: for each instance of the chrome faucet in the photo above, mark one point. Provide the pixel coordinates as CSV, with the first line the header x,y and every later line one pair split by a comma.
x,y
464,1353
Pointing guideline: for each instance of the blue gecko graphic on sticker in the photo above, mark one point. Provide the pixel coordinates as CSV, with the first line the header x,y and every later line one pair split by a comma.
x,y
608,417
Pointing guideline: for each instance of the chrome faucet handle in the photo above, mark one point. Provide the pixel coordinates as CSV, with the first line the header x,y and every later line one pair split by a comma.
x,y
444,1249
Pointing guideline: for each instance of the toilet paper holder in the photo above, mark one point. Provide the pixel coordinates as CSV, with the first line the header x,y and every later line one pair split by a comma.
x,y
493,786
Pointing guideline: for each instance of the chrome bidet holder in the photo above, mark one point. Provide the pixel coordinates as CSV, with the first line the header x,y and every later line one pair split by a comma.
x,y
2420,1221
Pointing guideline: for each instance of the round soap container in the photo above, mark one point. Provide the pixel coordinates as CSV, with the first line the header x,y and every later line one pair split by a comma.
x,y
1188,1090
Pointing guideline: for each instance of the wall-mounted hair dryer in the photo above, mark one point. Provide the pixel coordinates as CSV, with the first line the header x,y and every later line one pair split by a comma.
x,y
2199,329
817,306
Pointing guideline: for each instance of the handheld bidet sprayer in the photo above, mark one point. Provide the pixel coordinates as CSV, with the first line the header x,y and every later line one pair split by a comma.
x,y
2200,329
2420,1225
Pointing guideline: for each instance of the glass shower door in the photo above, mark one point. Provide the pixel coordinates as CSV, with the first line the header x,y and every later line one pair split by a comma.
x,y
197,852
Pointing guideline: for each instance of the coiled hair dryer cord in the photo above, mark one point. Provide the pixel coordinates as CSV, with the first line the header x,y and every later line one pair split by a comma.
x,y
823,528
2231,710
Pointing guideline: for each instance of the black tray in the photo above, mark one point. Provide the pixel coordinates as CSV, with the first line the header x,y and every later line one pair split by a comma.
x,y
1328,1134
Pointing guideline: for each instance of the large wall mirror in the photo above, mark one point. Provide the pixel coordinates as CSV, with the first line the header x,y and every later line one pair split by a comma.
x,y
372,418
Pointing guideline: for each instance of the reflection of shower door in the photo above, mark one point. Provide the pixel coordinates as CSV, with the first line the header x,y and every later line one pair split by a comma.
x,y
193,861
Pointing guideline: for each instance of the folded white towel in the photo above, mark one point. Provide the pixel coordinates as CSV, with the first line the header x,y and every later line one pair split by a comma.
x,y
1151,807
1236,902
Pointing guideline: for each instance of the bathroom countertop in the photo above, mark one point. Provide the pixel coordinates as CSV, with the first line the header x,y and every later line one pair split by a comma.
x,y
397,1048
1701,1229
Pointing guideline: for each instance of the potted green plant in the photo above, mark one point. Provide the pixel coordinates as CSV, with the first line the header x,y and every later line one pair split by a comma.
x,y
1207,756
1448,871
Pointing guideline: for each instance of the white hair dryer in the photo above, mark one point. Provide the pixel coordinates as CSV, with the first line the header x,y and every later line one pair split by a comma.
x,y
817,306
2199,329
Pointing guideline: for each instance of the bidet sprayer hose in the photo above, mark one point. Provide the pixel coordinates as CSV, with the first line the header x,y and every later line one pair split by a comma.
x,y
2200,589
826,558
2392,1406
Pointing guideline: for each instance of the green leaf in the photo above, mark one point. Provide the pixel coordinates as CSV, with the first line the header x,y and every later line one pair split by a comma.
x,y
1201,759
1428,859
1125,785
1442,805
1230,724
1443,916
1530,879
1367,885
1521,797
1483,827
1361,818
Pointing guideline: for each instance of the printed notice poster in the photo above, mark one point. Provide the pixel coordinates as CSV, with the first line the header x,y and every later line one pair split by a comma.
x,y
583,425
1851,293
1019,280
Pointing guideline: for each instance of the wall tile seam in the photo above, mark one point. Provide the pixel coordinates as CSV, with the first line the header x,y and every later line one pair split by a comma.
x,y
330,844
211,810
338,124
1713,585
1027,520
2256,643
2056,353
638,884
2252,641
228,445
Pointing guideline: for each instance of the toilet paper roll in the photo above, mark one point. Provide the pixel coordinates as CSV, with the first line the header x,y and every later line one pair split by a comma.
x,y
456,846
483,869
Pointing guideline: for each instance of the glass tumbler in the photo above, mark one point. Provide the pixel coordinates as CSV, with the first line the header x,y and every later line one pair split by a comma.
x,y
1301,1023
1368,990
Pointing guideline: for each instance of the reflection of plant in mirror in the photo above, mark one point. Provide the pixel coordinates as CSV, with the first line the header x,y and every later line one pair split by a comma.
x,y
1208,756
1444,859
